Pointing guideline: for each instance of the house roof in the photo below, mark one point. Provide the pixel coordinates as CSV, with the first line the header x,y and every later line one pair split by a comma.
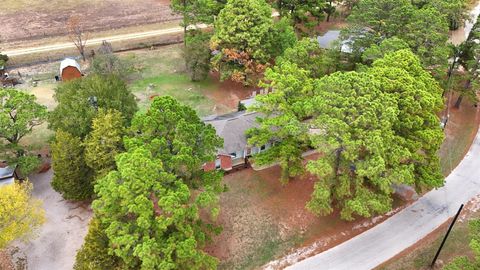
x,y
327,41
6,176
232,128
69,62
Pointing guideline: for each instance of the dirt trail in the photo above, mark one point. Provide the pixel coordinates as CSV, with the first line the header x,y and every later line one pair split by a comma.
x,y
62,235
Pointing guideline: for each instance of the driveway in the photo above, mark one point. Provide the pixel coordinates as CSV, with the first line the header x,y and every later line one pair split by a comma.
x,y
377,245
62,234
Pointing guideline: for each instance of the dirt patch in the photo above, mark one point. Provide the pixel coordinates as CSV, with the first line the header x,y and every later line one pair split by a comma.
x,y
27,21
229,93
460,131
63,233
5,260
263,220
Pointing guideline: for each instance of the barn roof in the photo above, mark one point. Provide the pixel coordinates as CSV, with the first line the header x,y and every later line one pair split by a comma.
x,y
232,128
69,62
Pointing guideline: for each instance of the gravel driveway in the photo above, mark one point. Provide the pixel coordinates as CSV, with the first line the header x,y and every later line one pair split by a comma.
x,y
63,232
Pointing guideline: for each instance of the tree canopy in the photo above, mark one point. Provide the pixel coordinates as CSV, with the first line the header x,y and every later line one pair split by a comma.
x,y
79,100
71,175
424,28
149,216
243,39
94,255
372,129
104,142
20,214
19,114
174,133
308,55
304,13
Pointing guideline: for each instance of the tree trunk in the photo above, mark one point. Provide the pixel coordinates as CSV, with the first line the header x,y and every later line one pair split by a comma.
x,y
184,23
459,101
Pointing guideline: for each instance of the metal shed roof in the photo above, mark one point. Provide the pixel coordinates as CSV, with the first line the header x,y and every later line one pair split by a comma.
x,y
69,62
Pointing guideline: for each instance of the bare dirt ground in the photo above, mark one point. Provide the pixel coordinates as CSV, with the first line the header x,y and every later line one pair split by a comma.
x,y
61,236
263,220
36,19
459,133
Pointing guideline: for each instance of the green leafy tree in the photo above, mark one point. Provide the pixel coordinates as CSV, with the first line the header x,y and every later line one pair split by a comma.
x,y
284,113
110,64
382,18
243,40
356,141
20,214
149,216
79,100
19,114
455,10
3,60
196,11
463,262
419,99
175,134
71,176
94,255
372,129
424,29
388,45
104,142
469,59
427,35
282,37
308,55
302,12
197,56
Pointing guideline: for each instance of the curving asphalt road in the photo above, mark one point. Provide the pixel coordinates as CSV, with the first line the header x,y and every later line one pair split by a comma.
x,y
379,244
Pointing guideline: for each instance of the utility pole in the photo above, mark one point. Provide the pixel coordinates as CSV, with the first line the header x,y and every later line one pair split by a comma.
x,y
446,236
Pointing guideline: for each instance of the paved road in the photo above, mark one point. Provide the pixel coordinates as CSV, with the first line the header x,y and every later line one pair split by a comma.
x,y
377,245
62,234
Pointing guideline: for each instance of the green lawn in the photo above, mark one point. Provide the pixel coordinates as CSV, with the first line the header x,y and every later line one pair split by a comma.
x,y
162,72
456,245
155,72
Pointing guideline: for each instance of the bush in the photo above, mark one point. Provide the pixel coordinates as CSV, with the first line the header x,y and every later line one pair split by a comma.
x,y
71,177
197,56
93,255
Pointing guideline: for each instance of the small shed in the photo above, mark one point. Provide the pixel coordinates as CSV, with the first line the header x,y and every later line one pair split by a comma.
x,y
69,69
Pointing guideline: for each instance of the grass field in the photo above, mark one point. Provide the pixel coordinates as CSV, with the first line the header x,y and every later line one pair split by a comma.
x,y
421,257
156,72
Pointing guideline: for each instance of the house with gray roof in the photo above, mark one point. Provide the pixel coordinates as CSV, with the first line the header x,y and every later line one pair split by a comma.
x,y
232,129
330,38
